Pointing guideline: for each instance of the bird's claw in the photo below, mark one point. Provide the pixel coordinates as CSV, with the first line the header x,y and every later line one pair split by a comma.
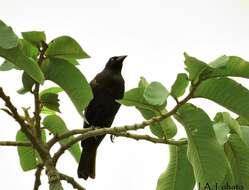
x,y
112,137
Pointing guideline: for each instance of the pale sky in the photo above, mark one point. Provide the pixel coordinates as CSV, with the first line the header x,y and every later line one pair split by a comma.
x,y
154,35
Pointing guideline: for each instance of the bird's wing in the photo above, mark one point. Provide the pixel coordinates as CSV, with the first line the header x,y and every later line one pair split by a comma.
x,y
101,110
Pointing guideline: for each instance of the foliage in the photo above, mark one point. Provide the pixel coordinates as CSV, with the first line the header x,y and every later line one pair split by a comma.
x,y
214,153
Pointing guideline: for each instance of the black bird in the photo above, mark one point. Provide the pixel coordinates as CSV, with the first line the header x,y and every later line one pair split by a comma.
x,y
107,87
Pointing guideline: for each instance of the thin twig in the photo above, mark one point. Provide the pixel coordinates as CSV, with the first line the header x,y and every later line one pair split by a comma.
x,y
24,126
38,177
150,139
71,180
14,143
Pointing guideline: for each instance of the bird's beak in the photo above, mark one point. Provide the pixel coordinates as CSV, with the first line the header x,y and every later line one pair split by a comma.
x,y
121,58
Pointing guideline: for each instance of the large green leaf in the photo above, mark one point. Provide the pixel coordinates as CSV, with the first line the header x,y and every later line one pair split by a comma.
x,y
155,94
28,49
71,80
134,97
27,156
179,174
34,37
17,57
67,47
237,153
227,93
180,85
195,67
204,152
232,66
8,38
245,134
56,125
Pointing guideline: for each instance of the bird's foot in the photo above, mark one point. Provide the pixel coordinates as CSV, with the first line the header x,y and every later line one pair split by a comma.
x,y
112,137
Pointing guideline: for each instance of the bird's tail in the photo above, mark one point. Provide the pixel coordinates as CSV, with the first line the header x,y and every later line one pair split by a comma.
x,y
86,166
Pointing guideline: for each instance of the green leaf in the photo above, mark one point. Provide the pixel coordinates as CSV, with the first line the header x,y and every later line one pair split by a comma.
x,y
69,60
155,128
22,91
220,62
221,130
16,56
227,93
71,80
49,98
28,49
204,152
155,94
53,90
179,174
56,125
34,37
232,66
47,111
67,47
7,65
50,101
166,128
231,123
180,85
195,67
245,134
237,153
143,83
27,155
8,39
134,97
242,120
27,82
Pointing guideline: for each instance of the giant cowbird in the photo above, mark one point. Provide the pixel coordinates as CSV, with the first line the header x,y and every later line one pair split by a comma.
x,y
107,86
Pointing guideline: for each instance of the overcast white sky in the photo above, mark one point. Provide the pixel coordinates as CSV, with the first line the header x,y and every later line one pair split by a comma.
x,y
154,35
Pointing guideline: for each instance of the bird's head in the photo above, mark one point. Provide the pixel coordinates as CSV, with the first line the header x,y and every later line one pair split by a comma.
x,y
115,63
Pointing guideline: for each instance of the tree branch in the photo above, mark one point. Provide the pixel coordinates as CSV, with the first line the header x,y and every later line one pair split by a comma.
x,y
14,143
24,126
71,181
38,177
36,94
58,137
115,130
150,139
